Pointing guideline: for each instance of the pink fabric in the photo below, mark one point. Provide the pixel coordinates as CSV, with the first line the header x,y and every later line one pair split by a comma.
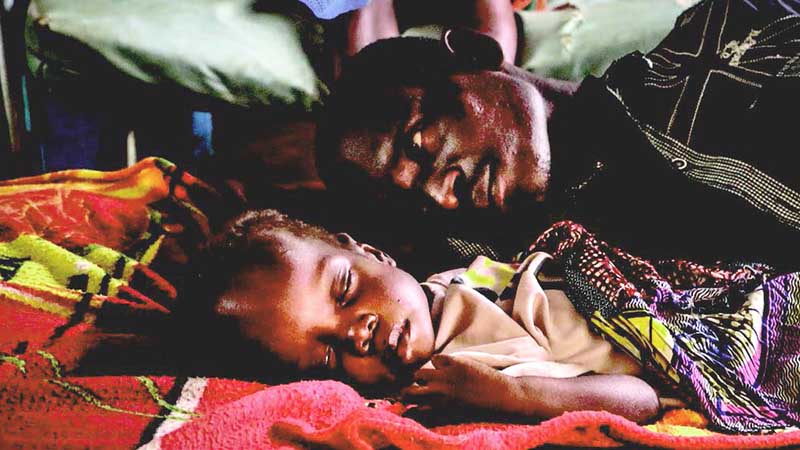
x,y
330,413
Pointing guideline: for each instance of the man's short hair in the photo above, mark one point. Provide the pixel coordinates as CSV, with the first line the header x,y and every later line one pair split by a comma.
x,y
387,63
402,61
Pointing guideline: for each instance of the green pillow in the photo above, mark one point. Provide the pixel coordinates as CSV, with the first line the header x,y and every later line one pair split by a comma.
x,y
222,48
586,37
229,51
576,38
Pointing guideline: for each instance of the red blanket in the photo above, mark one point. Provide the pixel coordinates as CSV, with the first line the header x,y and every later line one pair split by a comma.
x,y
76,251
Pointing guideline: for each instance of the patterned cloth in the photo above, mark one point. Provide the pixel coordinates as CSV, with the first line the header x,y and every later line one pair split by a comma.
x,y
75,254
728,339
79,249
78,253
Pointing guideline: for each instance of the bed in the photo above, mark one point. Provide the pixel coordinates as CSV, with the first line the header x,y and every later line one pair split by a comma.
x,y
80,256
82,252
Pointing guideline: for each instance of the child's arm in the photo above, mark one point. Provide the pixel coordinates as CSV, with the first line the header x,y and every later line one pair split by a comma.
x,y
478,385
627,396
494,18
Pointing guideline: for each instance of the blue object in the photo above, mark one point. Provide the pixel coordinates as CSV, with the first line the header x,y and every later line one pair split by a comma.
x,y
202,128
71,134
328,9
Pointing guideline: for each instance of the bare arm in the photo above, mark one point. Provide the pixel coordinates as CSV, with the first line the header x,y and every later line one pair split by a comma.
x,y
627,396
495,18
375,21
378,20
475,384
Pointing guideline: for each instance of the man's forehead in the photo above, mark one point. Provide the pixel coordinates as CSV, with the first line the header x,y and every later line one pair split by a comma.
x,y
366,150
368,136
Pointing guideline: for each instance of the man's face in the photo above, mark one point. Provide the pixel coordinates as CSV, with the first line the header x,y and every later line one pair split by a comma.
x,y
480,143
333,309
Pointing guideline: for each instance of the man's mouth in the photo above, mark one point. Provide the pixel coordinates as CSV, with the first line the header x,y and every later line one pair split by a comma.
x,y
498,192
488,190
480,190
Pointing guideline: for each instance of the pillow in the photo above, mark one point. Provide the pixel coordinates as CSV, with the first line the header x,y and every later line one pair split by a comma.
x,y
573,39
582,37
227,49
255,54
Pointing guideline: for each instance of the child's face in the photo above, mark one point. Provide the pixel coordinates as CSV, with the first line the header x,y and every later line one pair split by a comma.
x,y
340,309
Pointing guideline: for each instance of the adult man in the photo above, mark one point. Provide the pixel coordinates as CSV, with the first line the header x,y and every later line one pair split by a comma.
x,y
685,151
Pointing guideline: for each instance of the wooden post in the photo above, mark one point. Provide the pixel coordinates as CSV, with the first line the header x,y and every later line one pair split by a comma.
x,y
12,72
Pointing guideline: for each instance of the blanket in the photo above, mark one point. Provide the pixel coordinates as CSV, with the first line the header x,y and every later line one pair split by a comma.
x,y
80,257
728,337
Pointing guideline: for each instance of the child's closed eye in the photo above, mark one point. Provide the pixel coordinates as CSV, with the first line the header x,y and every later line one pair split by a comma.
x,y
330,358
346,287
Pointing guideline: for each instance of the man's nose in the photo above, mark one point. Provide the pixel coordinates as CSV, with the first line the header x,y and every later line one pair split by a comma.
x,y
405,173
443,189
361,334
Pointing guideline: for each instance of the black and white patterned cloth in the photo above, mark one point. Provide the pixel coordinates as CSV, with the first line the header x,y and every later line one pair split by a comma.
x,y
695,143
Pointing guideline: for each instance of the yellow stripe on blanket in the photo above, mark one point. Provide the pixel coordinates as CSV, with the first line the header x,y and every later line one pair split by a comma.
x,y
42,263
9,292
145,180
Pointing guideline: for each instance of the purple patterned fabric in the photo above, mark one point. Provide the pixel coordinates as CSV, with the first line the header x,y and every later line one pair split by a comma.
x,y
727,340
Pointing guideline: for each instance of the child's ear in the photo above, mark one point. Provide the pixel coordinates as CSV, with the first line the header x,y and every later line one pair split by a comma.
x,y
349,243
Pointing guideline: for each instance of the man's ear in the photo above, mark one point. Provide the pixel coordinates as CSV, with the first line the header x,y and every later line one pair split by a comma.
x,y
349,243
473,50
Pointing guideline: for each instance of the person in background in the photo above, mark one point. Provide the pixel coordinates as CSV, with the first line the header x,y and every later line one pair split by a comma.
x,y
367,21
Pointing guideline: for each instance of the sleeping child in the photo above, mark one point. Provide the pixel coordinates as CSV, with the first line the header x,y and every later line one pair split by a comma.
x,y
507,338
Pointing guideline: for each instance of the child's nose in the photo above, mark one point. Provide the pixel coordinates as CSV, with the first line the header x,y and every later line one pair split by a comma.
x,y
362,332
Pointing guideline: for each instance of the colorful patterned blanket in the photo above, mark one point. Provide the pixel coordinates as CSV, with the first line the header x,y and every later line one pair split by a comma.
x,y
80,256
727,337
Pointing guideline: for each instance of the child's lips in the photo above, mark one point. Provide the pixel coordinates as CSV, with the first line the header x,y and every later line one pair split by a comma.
x,y
404,345
394,336
398,345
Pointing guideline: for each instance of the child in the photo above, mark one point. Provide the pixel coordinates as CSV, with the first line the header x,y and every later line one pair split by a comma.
x,y
323,302
316,300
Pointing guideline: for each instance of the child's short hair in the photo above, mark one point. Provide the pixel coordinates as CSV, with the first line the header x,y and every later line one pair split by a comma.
x,y
247,240
244,241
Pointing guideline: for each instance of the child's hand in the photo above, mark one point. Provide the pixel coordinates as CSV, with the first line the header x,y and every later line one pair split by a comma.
x,y
471,383
462,381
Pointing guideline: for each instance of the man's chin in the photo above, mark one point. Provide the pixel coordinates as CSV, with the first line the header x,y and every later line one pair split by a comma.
x,y
462,216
